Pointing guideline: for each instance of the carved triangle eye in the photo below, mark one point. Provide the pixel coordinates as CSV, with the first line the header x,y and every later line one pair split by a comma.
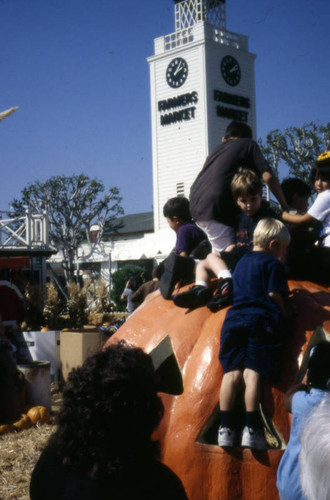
x,y
168,372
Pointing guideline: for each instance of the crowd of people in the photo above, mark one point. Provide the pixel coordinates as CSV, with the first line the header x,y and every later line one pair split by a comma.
x,y
214,228
226,231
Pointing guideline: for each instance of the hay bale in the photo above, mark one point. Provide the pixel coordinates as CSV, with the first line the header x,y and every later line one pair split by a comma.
x,y
19,452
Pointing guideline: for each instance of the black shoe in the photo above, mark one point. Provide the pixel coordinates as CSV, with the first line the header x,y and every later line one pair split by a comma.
x,y
223,296
197,296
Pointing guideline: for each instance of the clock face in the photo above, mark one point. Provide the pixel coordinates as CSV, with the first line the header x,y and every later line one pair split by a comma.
x,y
177,72
230,70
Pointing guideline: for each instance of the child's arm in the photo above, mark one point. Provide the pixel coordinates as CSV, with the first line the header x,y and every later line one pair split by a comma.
x,y
278,299
287,310
123,296
298,219
137,296
272,182
291,392
230,247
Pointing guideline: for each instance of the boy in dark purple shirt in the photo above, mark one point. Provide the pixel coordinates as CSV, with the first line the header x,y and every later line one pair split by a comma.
x,y
191,242
188,235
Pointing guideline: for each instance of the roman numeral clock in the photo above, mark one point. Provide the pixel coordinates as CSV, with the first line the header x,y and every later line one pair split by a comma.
x,y
201,78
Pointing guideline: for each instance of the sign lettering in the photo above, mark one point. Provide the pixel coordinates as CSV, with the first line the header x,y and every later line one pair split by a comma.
x,y
181,101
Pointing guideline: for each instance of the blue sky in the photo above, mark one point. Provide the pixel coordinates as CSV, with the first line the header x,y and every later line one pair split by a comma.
x,y
77,70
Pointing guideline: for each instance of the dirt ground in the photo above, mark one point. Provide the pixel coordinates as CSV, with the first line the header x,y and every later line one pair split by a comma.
x,y
19,452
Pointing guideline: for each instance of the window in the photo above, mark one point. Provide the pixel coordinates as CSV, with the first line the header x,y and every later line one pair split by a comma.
x,y
180,189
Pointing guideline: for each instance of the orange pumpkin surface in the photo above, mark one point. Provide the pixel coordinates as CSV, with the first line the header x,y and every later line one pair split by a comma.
x,y
23,423
189,445
6,428
39,414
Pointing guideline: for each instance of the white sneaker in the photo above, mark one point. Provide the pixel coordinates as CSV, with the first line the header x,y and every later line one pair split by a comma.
x,y
254,438
226,436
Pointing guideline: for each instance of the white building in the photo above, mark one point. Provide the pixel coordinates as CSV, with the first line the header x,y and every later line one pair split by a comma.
x,y
202,77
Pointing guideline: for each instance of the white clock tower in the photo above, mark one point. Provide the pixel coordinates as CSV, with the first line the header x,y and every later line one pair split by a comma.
x,y
202,77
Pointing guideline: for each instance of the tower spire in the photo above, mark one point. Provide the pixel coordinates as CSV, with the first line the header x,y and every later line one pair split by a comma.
x,y
188,13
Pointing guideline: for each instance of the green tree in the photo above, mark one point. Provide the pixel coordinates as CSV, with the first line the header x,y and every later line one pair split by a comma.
x,y
73,205
119,280
296,147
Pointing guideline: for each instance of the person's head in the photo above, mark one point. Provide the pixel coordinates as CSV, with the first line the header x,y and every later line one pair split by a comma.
x,y
272,236
238,130
314,454
134,282
246,188
176,210
320,174
318,370
296,193
110,410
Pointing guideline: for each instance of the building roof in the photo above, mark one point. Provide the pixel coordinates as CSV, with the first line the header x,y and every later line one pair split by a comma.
x,y
131,224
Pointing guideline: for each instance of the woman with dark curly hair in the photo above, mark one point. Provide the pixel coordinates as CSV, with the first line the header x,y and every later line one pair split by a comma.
x,y
102,448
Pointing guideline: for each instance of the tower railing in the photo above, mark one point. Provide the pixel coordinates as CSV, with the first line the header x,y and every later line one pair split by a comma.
x,y
182,38
197,19
30,231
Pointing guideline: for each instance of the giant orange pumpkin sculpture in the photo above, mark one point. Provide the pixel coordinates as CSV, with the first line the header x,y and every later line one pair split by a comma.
x,y
188,430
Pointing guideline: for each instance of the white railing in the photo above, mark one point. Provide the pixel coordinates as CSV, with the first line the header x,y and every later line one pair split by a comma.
x,y
228,38
29,230
178,39
189,35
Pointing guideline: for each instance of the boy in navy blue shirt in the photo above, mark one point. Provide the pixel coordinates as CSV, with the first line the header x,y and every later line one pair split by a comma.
x,y
251,335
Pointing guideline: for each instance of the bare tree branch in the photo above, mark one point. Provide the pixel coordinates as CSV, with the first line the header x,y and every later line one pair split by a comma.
x,y
73,204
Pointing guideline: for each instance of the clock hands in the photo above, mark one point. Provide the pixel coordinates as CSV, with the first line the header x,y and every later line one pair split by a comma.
x,y
179,68
230,70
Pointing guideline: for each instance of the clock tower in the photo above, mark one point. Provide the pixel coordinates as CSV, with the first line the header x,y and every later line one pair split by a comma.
x,y
202,78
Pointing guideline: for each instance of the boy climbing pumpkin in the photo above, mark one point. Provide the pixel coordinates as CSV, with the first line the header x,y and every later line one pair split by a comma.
x,y
251,335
